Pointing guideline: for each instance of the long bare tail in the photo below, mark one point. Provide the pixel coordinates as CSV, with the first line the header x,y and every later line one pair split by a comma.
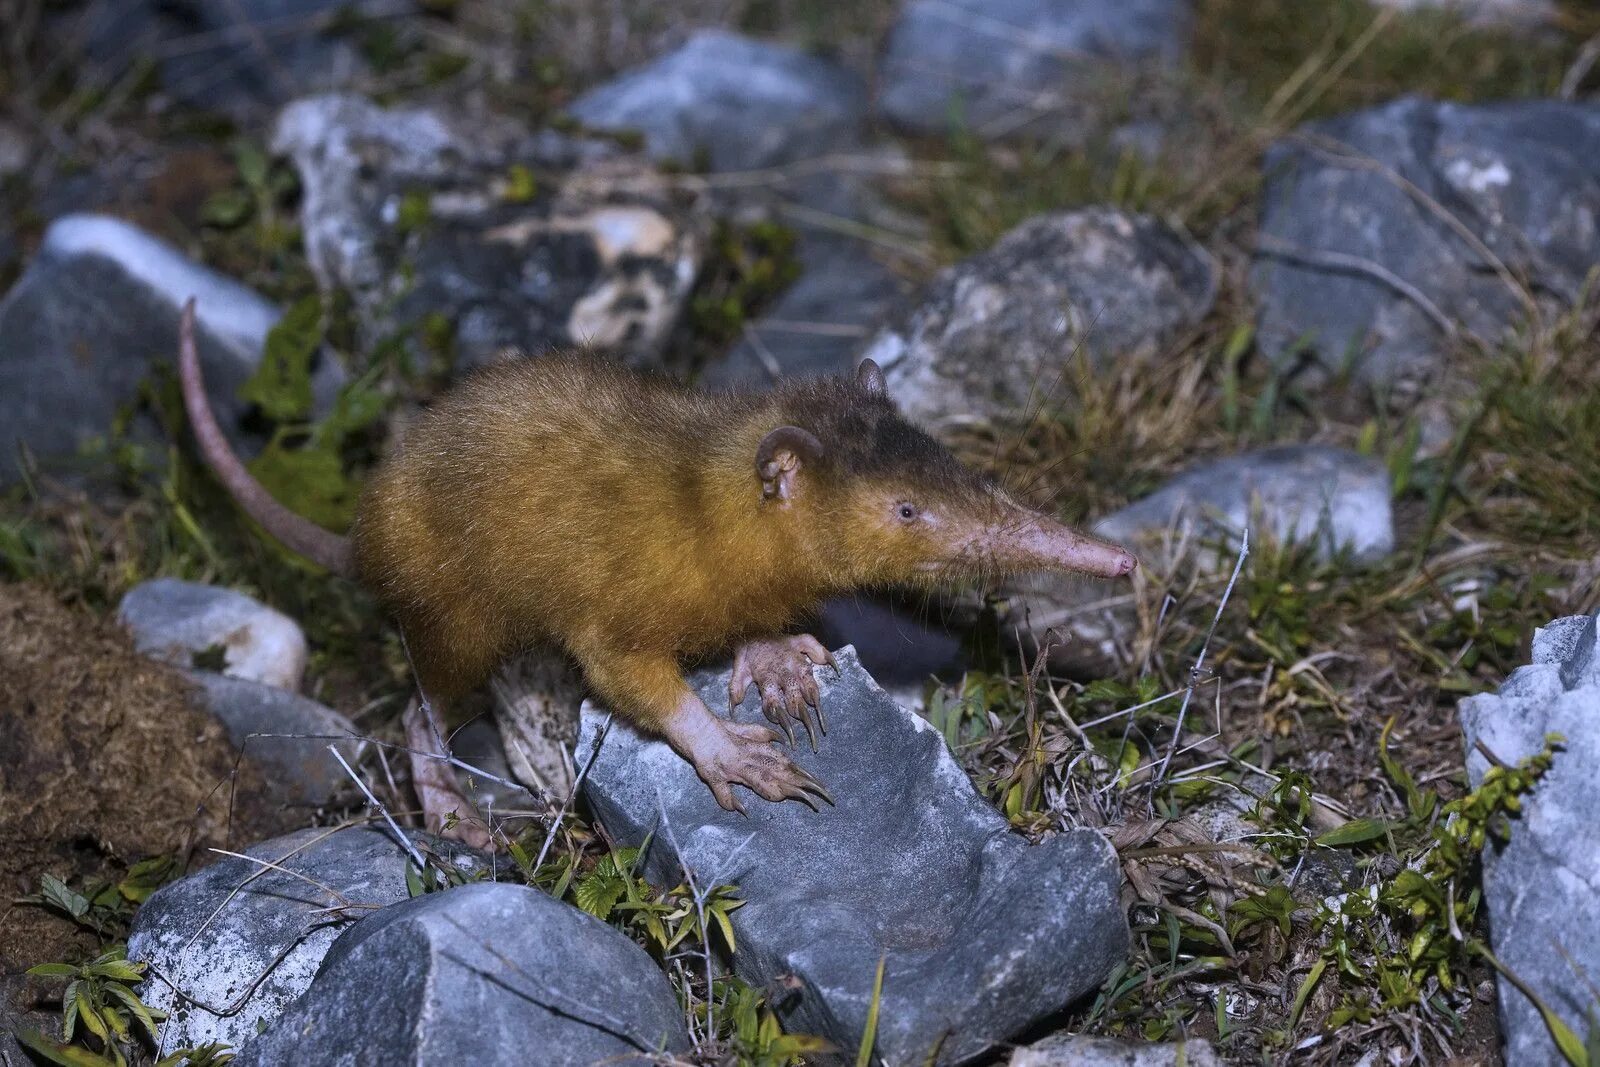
x,y
299,534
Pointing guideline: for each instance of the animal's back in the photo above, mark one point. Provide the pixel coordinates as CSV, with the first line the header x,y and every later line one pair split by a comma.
x,y
524,505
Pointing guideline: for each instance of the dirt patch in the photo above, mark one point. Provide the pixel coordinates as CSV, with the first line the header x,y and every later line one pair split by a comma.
x,y
106,761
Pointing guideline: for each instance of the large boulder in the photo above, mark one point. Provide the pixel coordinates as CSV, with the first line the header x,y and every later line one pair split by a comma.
x,y
1543,885
982,934
85,324
176,621
1388,236
484,974
992,65
732,103
232,945
1334,500
993,335
519,239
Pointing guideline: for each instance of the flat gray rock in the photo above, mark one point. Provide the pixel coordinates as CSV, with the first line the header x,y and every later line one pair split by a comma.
x,y
240,941
817,327
994,65
983,934
1071,1050
1336,500
83,326
301,770
991,336
482,974
415,211
1384,233
173,620
731,102
1543,886
233,55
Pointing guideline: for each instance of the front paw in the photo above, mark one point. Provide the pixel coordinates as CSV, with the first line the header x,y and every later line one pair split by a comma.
x,y
780,669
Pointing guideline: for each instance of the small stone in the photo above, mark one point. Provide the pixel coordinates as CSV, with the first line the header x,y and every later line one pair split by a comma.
x,y
1334,499
483,974
993,333
240,940
520,241
300,769
983,934
176,621
84,325
992,66
1071,1050
1387,235
1542,886
735,102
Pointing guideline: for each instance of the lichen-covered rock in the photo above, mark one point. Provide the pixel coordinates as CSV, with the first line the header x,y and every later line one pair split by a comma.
x,y
1388,232
993,333
1336,500
519,239
982,934
991,65
286,734
1071,1050
175,621
1543,885
83,326
240,940
483,974
731,102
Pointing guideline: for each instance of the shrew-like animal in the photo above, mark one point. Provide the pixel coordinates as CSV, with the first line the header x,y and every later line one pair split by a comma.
x,y
635,522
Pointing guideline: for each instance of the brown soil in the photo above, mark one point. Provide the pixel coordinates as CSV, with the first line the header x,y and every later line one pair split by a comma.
x,y
104,761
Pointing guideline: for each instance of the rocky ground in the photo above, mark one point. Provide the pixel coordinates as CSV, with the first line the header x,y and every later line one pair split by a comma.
x,y
1296,298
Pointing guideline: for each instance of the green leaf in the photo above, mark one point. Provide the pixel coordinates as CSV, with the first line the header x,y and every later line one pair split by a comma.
x,y
869,1033
281,385
308,481
53,970
57,894
117,970
147,1017
1355,832
228,209
56,1052
599,893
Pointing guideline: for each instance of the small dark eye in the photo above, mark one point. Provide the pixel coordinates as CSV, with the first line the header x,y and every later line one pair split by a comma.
x,y
907,512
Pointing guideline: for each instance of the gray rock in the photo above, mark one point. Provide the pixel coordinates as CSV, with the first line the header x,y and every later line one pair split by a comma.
x,y
819,324
901,643
1543,886
15,150
95,309
982,933
995,64
173,620
1519,14
415,212
240,941
736,103
993,334
235,54
1337,500
483,974
1362,252
301,769
1071,1050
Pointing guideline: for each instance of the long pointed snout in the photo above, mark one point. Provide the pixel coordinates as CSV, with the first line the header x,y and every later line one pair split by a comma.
x,y
1033,542
1044,544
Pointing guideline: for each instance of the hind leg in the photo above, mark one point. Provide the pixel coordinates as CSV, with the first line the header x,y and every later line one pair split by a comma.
x,y
446,665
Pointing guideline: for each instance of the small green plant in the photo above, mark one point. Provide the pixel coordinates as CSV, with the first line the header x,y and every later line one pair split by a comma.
x,y
99,998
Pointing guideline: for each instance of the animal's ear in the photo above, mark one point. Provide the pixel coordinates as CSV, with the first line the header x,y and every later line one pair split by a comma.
x,y
779,458
869,376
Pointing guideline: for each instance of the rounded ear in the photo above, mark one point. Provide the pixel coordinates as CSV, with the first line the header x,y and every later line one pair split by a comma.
x,y
869,376
780,456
